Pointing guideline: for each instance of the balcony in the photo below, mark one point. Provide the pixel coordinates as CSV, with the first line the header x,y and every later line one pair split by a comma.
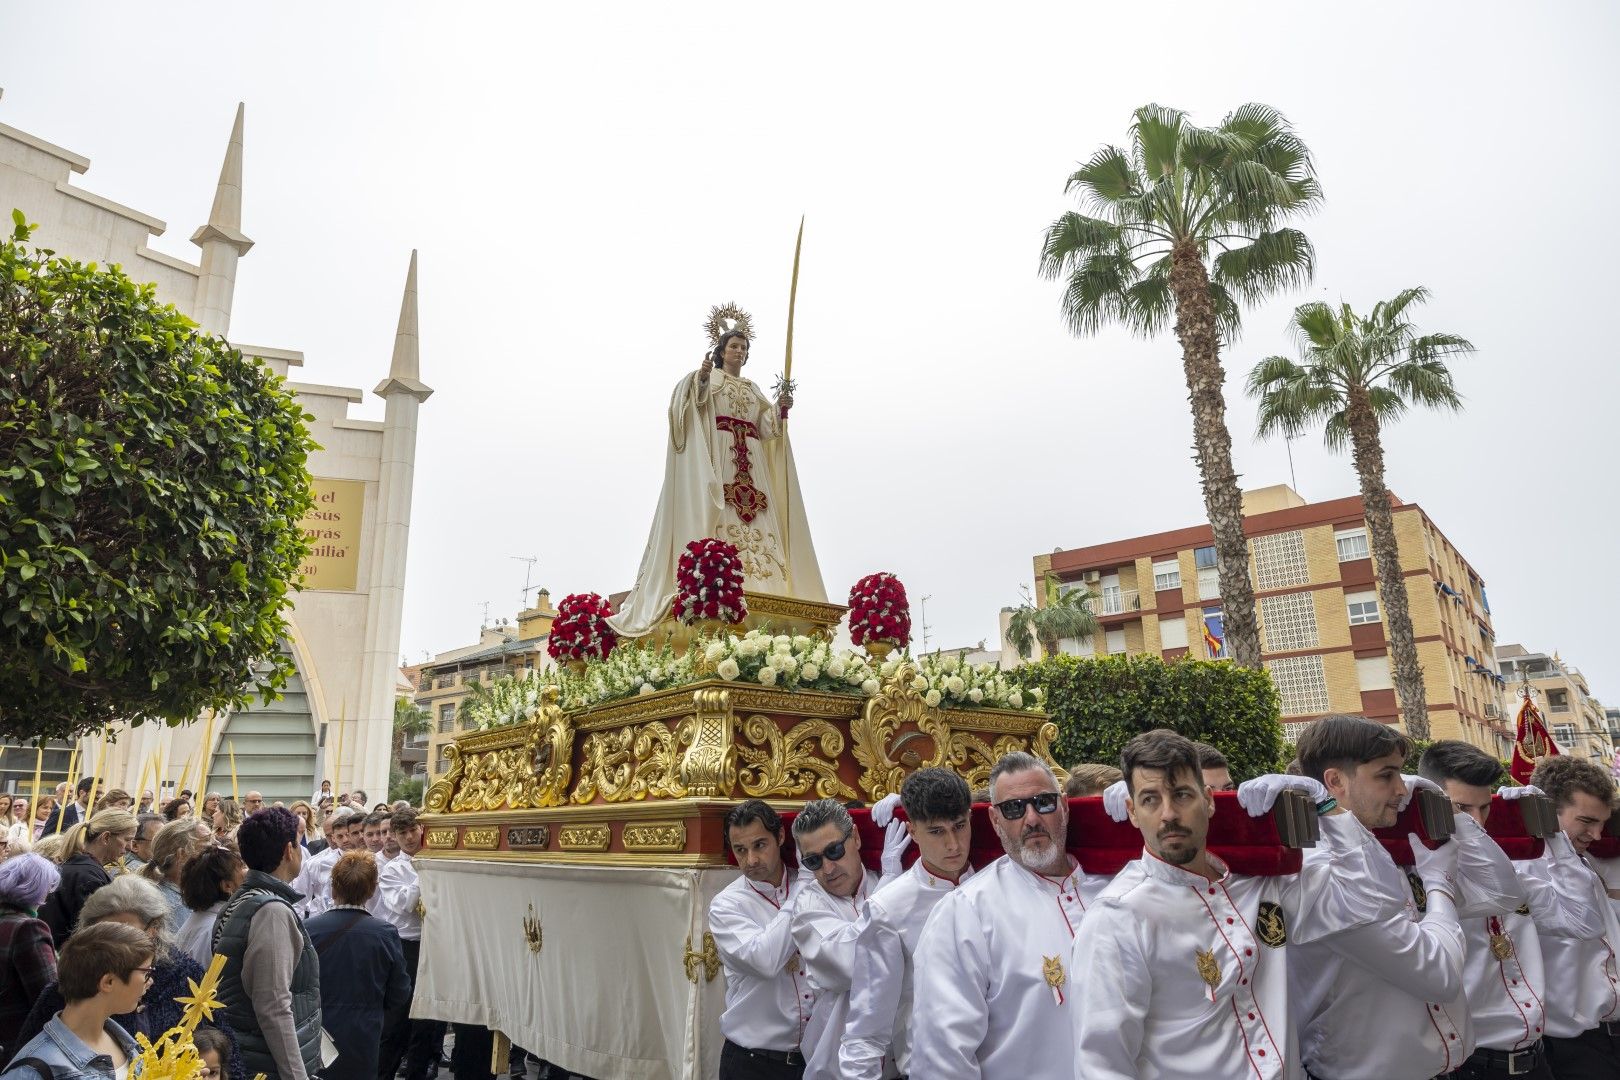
x,y
1114,601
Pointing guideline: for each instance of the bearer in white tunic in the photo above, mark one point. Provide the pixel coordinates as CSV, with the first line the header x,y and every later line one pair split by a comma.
x,y
877,1037
768,996
314,879
1180,968
991,997
825,921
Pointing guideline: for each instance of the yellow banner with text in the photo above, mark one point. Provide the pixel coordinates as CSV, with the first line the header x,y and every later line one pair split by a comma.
x,y
332,528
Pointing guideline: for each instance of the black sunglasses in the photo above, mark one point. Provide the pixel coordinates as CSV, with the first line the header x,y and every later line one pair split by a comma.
x,y
1013,809
834,852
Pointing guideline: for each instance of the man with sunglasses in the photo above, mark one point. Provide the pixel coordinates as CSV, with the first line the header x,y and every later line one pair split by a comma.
x,y
825,922
768,996
1181,965
992,991
878,1032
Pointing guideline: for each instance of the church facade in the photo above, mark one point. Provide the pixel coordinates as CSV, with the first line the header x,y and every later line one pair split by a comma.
x,y
335,718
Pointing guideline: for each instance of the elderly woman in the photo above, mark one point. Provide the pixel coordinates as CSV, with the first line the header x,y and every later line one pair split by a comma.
x,y
365,988
206,883
174,846
175,809
91,847
28,959
133,901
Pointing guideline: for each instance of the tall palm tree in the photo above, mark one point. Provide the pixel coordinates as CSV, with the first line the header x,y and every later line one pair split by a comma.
x,y
1355,375
1187,222
1064,615
410,720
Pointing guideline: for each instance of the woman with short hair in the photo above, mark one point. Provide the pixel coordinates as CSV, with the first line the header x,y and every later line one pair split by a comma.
x,y
174,845
209,879
27,957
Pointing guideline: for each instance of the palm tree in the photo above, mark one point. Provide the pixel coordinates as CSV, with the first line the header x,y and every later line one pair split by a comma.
x,y
1188,223
1064,615
1354,376
410,720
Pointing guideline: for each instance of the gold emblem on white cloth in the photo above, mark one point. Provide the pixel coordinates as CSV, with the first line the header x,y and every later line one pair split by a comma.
x,y
1052,971
531,930
1270,926
707,961
1208,969
792,965
1501,947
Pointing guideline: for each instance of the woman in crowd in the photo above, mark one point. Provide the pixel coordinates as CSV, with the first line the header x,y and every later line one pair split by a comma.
x,y
208,880
89,848
364,984
210,804
44,807
177,808
116,799
306,814
27,957
50,847
174,846
226,817
20,831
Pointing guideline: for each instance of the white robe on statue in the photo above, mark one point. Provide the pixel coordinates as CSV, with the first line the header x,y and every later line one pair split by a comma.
x,y
717,432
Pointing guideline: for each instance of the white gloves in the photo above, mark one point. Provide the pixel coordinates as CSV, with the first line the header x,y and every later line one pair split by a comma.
x,y
1437,868
896,838
1415,782
1511,793
1114,797
883,810
1259,795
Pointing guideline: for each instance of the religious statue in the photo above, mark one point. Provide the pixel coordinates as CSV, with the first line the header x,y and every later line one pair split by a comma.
x,y
729,474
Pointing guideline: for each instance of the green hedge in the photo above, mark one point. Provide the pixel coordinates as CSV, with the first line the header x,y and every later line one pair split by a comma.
x,y
1100,703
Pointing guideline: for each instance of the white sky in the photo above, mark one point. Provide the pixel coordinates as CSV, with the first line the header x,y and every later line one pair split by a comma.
x,y
585,180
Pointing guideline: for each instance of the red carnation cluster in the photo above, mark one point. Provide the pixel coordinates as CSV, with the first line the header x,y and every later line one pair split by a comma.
x,y
879,611
580,630
708,583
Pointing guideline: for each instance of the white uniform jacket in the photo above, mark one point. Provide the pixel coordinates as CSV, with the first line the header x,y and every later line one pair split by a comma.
x,y
1588,976
991,996
401,892
768,997
314,880
824,930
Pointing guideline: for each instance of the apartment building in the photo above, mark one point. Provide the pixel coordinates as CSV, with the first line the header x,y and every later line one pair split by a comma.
x,y
1575,719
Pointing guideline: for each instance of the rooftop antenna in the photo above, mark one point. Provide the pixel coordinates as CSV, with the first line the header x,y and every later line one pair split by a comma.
x,y
1288,443
528,575
923,607
485,606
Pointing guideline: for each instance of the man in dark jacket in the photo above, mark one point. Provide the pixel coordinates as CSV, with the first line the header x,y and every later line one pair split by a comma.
x,y
271,985
366,987
74,812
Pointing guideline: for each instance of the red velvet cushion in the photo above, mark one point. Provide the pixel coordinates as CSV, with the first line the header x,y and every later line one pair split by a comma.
x,y
1505,825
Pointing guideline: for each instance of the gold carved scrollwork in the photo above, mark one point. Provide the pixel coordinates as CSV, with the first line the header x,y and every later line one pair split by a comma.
x,y
973,758
1042,748
788,764
709,768
657,751
550,754
441,838
654,836
608,766
707,961
585,837
876,747
439,795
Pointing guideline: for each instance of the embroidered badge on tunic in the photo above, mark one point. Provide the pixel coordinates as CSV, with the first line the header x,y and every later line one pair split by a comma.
x,y
1419,896
1270,926
1208,969
792,965
1052,970
1522,909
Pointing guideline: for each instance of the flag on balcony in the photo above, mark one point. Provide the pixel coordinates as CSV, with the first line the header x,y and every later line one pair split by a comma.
x,y
1215,633
1531,744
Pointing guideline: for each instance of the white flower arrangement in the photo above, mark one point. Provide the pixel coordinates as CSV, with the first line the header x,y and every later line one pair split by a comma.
x,y
759,658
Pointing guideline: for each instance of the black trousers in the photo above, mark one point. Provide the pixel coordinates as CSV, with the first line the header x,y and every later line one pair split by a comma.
x,y
737,1063
470,1058
1476,1069
1591,1055
418,1043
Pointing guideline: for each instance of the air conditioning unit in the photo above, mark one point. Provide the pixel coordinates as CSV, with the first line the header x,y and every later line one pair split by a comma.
x,y
1492,712
1091,577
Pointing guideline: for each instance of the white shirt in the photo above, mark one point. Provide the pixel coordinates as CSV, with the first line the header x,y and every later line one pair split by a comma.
x,y
314,880
1384,1001
879,1025
824,931
374,905
768,997
196,937
983,1005
1588,989
1153,941
401,894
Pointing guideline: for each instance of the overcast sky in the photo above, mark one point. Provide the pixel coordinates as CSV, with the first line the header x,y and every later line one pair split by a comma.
x,y
585,180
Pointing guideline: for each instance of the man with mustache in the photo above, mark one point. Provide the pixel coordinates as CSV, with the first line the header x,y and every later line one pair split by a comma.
x,y
992,991
1181,966
825,924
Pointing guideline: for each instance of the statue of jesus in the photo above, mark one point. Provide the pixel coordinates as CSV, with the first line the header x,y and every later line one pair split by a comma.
x,y
729,474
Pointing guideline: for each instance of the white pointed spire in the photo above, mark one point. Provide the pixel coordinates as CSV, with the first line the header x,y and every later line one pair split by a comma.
x,y
225,219
404,373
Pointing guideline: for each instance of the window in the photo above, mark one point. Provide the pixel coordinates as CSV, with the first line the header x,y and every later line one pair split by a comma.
x,y
447,717
1204,558
1564,734
1363,607
1301,684
1279,560
1116,642
1077,646
1289,622
1352,544
1173,633
1166,575
1558,701
1372,673
1112,600
441,682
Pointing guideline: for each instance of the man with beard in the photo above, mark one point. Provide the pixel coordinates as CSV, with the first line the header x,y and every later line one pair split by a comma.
x,y
1181,966
992,990
768,997
825,924
937,803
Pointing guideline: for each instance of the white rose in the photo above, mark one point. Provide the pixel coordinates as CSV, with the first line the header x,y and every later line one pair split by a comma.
x,y
748,648
869,687
836,668
767,676
728,669
955,685
951,663
931,699
646,688
1015,699
786,663
888,668
975,695
855,676
919,683
714,652
800,641
809,672
782,641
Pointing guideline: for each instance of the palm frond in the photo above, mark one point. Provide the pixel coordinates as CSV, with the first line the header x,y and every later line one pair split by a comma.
x,y
1425,382
1336,433
1107,177
1097,293
1392,311
1273,261
1072,238
1156,138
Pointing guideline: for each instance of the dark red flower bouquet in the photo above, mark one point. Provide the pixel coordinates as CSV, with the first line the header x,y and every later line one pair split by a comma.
x,y
708,583
879,611
580,630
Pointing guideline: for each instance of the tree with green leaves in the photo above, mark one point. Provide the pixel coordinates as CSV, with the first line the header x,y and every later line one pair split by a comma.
x,y
1188,223
410,721
1066,614
152,482
1354,376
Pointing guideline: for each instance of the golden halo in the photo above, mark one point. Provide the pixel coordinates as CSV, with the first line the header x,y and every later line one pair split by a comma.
x,y
724,318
